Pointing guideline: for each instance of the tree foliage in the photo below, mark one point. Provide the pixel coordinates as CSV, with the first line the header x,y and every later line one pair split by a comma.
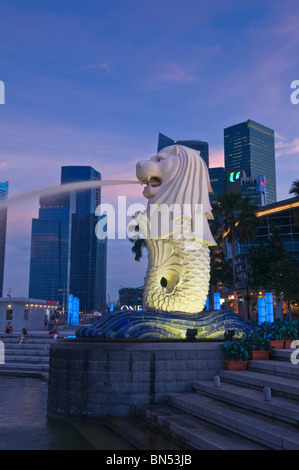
x,y
273,268
236,218
221,269
294,189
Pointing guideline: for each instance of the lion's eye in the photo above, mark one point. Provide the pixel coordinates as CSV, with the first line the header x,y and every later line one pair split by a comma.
x,y
158,159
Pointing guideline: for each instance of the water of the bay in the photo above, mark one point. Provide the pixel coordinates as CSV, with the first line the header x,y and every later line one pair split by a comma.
x,y
24,424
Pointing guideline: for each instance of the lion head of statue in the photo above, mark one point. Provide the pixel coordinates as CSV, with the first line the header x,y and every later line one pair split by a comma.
x,y
178,175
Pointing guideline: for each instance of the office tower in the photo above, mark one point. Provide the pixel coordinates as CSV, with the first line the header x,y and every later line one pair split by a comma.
x,y
201,146
50,249
249,146
131,297
3,221
66,256
88,253
218,182
253,188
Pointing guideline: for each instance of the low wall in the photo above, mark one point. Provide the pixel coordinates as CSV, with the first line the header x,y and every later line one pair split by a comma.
x,y
92,379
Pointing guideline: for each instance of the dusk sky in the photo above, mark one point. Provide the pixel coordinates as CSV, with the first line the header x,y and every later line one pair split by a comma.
x,y
93,82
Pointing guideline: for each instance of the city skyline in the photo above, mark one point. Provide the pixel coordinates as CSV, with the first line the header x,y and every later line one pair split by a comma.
x,y
94,84
66,256
249,146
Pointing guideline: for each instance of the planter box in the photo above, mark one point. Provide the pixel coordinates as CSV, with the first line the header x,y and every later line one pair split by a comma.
x,y
277,344
287,343
260,355
236,365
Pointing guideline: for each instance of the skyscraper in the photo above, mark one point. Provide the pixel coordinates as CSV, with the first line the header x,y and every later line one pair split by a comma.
x,y
3,221
218,182
88,253
200,145
50,248
66,255
249,146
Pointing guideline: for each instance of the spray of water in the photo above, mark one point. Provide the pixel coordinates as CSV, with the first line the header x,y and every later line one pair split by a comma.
x,y
62,189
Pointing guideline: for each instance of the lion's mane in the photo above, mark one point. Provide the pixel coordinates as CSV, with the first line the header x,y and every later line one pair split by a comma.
x,y
190,185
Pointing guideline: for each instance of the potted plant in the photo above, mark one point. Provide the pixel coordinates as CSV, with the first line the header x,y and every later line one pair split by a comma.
x,y
236,354
266,327
291,332
258,345
277,334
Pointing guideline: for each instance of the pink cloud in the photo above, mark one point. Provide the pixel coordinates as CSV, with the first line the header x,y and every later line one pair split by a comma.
x,y
216,157
169,73
283,147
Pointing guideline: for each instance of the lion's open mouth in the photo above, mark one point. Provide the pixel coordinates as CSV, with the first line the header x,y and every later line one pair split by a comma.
x,y
153,181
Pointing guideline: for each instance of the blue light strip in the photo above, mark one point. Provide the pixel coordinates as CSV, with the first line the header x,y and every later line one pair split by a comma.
x,y
261,307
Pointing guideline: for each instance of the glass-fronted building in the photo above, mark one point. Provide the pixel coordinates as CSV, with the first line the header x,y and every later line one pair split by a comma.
x,y
218,178
199,145
250,147
131,297
3,222
281,214
50,246
66,256
88,253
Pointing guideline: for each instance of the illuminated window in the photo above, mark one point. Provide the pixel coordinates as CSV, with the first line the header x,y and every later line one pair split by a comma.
x,y
9,314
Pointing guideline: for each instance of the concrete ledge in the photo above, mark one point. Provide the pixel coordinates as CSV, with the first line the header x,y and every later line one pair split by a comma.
x,y
93,379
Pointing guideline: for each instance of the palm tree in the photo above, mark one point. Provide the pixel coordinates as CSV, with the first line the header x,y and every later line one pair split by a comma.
x,y
294,189
238,217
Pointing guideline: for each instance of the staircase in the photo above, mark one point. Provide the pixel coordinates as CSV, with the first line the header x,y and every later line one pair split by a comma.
x,y
30,359
233,416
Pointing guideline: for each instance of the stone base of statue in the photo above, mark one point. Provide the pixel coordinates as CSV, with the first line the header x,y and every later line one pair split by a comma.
x,y
126,324
127,359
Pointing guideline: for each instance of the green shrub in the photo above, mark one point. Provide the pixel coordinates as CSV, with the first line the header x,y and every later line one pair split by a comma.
x,y
236,349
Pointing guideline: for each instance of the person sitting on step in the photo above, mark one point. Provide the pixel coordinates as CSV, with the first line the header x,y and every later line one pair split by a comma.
x,y
24,336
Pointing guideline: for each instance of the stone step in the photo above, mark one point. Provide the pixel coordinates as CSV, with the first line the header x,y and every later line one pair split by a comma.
x,y
27,359
44,375
35,341
273,367
24,366
279,385
140,434
193,432
261,429
23,352
281,408
284,354
30,358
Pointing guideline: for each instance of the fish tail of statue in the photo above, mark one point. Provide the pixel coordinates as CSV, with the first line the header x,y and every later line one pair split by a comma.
x,y
180,281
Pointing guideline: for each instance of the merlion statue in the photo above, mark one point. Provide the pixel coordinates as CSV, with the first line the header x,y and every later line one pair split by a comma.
x,y
176,230
175,226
